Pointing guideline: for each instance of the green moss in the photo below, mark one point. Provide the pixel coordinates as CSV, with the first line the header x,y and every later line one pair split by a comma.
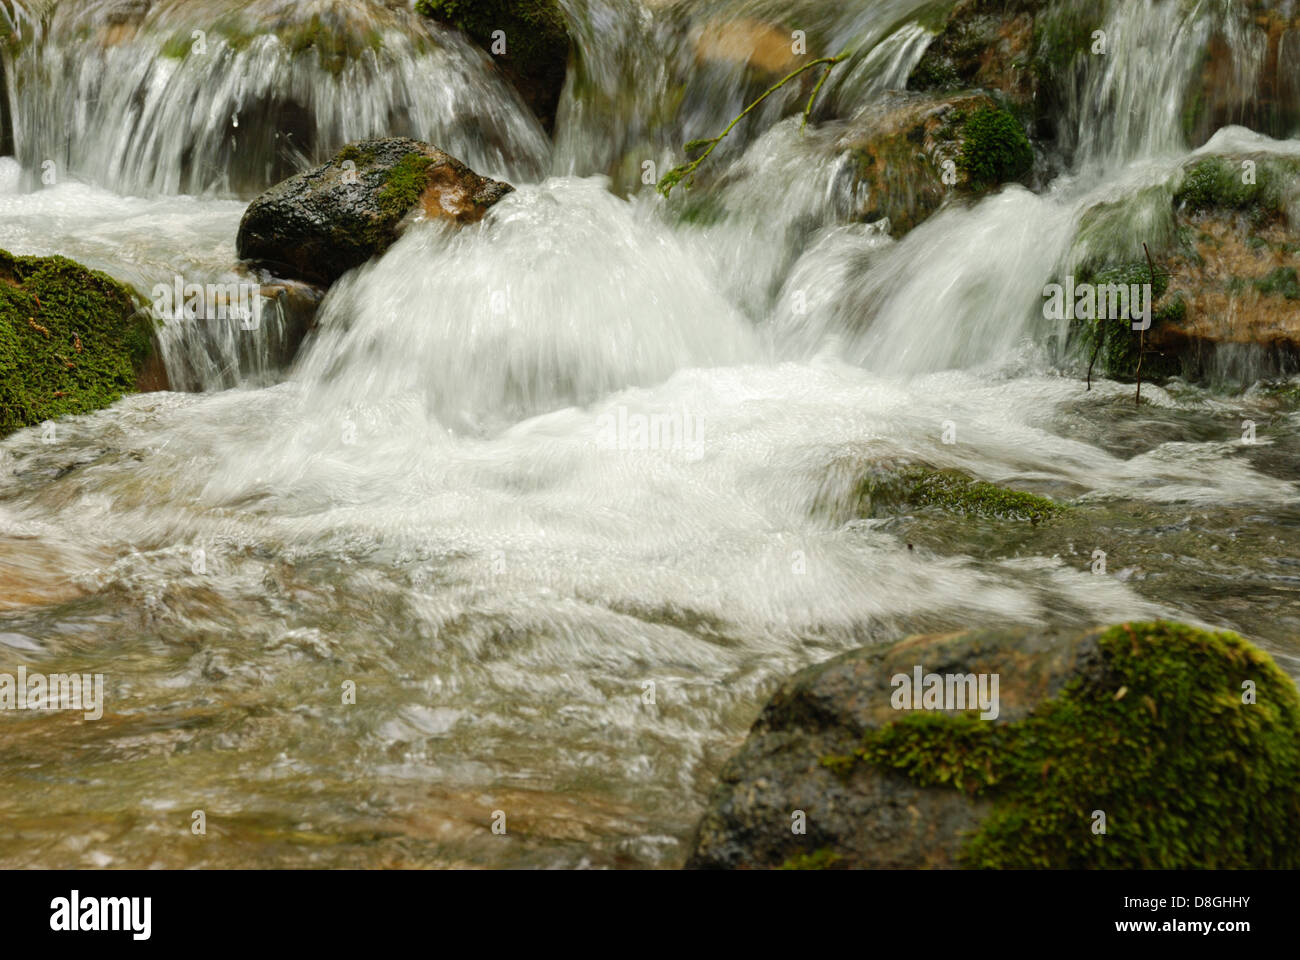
x,y
229,30
407,180
1187,774
841,764
1114,232
950,491
1217,183
1282,281
335,46
1120,344
71,340
994,149
177,46
821,859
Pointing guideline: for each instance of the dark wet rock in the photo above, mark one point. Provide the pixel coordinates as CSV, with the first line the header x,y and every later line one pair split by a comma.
x,y
1137,721
315,226
870,819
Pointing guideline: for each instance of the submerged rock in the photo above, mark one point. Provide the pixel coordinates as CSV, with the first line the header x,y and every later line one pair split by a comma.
x,y
318,225
760,46
1150,745
853,489
72,340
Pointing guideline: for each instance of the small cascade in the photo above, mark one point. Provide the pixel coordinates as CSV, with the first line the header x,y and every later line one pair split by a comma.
x,y
196,96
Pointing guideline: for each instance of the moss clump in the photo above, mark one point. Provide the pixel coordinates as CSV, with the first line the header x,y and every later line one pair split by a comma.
x,y
841,764
407,179
950,491
822,859
1282,281
994,149
71,340
335,45
1163,741
1218,183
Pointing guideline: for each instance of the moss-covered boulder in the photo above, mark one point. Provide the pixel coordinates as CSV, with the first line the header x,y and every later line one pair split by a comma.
x,y
851,489
315,226
913,152
1144,745
527,39
1232,278
72,340
1224,239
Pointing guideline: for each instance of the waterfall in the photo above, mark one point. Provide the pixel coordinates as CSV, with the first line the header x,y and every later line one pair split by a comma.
x,y
200,97
526,470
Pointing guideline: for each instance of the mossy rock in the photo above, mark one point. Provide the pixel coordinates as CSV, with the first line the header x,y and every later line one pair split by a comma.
x,y
315,226
536,40
72,340
892,490
913,152
1220,184
334,37
1182,743
994,149
1222,234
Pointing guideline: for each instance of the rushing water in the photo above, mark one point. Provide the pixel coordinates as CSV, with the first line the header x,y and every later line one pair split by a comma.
x,y
456,500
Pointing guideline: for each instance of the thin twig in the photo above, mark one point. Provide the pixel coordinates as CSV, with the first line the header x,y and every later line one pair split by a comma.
x,y
1137,397
687,170
807,111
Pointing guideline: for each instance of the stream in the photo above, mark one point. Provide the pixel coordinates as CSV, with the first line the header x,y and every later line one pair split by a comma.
x,y
450,502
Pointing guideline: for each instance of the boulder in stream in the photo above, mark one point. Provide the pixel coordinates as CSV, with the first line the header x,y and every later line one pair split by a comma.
x,y
72,340
317,225
1147,745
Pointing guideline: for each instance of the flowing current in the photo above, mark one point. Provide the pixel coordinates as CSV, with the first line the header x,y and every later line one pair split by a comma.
x,y
561,496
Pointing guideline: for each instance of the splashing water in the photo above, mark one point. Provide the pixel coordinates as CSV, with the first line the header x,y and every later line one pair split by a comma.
x,y
590,447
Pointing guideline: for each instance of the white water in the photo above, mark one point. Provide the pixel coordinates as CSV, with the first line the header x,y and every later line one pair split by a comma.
x,y
428,504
